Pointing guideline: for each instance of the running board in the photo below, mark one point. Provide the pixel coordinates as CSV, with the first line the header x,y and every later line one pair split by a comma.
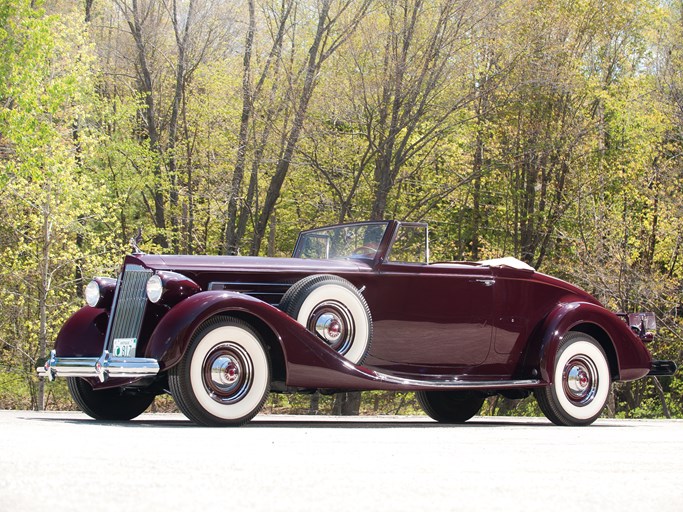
x,y
457,383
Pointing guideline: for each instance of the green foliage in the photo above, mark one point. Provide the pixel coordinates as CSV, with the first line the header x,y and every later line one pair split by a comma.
x,y
50,202
372,403
546,130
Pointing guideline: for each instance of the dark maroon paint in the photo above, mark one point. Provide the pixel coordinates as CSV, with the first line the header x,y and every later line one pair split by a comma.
x,y
82,335
432,322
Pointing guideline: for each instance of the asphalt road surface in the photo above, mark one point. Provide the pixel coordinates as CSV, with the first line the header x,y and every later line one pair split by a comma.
x,y
65,461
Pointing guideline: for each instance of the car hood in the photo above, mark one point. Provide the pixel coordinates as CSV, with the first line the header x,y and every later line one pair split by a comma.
x,y
178,263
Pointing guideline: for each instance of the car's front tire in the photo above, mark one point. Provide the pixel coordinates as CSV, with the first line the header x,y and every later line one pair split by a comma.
x,y
224,377
450,406
581,382
107,404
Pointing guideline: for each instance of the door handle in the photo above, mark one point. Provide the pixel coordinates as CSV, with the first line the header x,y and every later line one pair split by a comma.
x,y
486,282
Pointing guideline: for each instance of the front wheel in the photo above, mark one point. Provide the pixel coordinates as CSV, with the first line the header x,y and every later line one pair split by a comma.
x,y
450,406
224,377
108,404
581,382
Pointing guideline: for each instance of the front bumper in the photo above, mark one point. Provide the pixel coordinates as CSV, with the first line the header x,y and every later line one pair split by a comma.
x,y
662,368
101,367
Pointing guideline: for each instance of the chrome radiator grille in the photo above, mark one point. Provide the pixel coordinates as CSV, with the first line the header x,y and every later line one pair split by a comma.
x,y
129,304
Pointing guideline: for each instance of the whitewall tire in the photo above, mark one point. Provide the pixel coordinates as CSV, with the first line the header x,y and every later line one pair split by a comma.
x,y
581,382
224,377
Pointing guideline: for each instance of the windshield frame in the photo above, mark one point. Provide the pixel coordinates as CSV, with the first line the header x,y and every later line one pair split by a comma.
x,y
307,234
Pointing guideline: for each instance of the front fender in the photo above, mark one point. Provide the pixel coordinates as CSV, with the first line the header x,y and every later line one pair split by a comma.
x,y
309,362
82,335
629,359
171,337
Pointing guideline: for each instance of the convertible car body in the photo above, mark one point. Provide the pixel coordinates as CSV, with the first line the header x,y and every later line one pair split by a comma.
x,y
357,307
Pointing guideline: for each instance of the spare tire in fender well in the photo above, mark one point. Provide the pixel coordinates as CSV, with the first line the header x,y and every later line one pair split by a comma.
x,y
333,309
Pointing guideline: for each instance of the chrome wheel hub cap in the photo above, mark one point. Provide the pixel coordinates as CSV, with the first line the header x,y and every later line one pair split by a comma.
x,y
225,371
329,327
333,324
580,380
228,373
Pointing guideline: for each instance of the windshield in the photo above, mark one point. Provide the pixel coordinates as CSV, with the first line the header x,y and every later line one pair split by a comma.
x,y
349,241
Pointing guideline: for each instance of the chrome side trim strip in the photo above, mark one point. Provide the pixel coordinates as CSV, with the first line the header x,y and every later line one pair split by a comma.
x,y
229,285
102,367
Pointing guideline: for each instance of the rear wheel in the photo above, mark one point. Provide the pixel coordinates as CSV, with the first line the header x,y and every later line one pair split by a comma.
x,y
450,406
224,377
581,382
108,404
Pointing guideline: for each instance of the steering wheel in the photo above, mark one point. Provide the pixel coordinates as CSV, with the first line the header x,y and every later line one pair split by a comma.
x,y
364,250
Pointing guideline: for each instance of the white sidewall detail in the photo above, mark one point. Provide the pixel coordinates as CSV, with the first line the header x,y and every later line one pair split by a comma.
x,y
327,292
259,359
594,354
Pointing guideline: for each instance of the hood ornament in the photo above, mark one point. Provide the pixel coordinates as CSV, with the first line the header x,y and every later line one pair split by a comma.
x,y
135,241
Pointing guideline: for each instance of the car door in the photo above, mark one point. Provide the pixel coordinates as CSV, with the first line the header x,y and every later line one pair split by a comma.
x,y
431,318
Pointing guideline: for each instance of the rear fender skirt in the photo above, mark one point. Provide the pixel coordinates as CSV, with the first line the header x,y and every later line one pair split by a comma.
x,y
632,358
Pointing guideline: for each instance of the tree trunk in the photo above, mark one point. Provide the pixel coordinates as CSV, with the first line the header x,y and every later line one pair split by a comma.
x,y
271,236
231,239
149,114
347,404
384,182
43,293
413,72
476,217
236,223
314,407
182,38
662,397
313,65
328,37
88,10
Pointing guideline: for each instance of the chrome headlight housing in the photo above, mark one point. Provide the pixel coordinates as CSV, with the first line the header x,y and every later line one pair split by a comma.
x,y
99,292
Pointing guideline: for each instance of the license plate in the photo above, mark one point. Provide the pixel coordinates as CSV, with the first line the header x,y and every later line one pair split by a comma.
x,y
124,347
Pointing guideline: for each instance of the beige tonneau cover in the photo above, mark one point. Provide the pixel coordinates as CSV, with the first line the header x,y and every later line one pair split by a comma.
x,y
508,261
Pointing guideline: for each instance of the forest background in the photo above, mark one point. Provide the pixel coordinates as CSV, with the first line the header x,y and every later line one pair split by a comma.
x,y
549,130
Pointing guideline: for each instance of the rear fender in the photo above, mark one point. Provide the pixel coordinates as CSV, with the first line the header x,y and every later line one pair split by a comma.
x,y
628,357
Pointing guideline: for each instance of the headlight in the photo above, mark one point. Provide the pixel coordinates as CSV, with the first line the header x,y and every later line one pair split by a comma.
x,y
92,294
170,288
155,288
100,292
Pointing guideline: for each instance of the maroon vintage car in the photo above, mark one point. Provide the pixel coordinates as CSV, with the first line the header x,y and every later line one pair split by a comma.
x,y
358,307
